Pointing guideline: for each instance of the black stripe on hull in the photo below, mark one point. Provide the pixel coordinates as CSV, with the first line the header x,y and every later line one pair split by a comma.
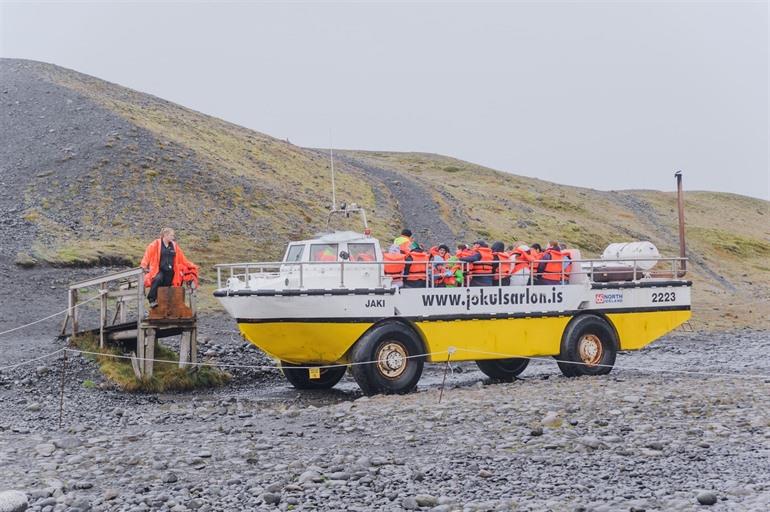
x,y
449,318
298,293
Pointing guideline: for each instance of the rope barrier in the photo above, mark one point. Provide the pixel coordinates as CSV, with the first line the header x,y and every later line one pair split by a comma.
x,y
253,367
29,361
615,366
448,353
51,316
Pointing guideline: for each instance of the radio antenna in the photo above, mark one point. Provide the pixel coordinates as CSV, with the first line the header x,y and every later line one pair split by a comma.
x,y
331,159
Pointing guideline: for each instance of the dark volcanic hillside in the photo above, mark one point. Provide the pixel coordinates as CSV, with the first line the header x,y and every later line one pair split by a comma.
x,y
89,171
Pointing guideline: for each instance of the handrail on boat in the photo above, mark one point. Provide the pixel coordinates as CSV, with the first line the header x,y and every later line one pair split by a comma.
x,y
604,267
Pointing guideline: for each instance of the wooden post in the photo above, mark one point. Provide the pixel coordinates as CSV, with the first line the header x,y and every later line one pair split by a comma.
x,y
122,310
102,312
140,352
194,343
136,366
69,314
185,348
149,352
74,312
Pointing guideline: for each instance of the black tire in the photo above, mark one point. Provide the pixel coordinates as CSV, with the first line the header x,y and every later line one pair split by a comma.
x,y
505,370
588,347
393,346
300,377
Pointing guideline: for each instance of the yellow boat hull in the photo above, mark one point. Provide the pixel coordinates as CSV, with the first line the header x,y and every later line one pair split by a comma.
x,y
472,339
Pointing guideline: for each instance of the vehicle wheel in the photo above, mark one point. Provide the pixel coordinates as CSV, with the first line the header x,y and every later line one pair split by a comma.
x,y
505,370
393,347
300,377
590,342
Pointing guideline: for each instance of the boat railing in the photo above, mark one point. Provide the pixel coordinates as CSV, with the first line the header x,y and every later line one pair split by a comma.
x,y
594,270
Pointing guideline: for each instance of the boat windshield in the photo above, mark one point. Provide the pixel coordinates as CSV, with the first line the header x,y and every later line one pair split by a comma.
x,y
362,252
323,252
294,254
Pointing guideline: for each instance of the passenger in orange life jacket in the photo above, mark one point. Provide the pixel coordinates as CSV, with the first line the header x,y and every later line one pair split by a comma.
x,y
416,268
482,265
550,270
438,256
502,269
394,265
522,261
405,241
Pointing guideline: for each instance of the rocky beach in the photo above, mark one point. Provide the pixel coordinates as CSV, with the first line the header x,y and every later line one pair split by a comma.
x,y
680,425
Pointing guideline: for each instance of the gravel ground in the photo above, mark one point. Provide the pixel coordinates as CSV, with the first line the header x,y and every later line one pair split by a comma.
x,y
637,439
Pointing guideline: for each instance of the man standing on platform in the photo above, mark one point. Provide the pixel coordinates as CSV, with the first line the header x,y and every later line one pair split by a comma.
x,y
165,265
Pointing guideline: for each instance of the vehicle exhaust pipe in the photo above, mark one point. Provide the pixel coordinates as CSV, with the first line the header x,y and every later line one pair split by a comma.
x,y
680,203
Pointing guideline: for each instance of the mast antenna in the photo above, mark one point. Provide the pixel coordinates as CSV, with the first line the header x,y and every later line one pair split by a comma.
x,y
331,159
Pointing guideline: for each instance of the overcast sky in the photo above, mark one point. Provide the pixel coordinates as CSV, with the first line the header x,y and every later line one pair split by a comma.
x,y
608,95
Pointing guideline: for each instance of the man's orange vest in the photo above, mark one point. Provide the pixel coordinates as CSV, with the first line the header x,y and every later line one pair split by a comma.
x,y
395,266
417,267
484,265
505,265
553,267
522,259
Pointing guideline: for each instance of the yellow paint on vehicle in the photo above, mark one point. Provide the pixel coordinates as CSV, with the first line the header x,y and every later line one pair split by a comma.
x,y
328,342
636,330
304,342
514,336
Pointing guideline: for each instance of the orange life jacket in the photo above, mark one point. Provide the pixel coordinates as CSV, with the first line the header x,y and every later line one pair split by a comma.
x,y
184,269
453,267
326,256
553,267
484,265
505,266
394,270
522,259
364,256
417,267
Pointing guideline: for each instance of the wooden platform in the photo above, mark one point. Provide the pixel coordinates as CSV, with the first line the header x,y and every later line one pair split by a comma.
x,y
175,315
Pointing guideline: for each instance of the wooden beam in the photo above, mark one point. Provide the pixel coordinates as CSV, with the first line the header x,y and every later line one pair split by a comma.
x,y
114,276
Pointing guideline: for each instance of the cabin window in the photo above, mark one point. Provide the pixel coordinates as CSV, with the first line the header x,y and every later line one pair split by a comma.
x,y
323,252
362,252
294,254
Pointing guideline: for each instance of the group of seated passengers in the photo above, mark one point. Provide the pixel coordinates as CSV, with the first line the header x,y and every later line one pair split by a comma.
x,y
411,266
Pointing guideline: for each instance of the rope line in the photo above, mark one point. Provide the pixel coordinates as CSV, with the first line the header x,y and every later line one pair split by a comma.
x,y
253,367
50,316
45,356
616,366
448,354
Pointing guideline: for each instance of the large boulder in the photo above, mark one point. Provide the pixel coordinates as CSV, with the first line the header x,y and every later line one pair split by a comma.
x,y
13,501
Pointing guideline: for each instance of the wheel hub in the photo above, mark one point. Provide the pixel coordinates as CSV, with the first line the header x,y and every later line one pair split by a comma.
x,y
590,349
391,360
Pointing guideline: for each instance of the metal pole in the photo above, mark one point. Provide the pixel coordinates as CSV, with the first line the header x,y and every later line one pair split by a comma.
x,y
61,397
680,204
331,157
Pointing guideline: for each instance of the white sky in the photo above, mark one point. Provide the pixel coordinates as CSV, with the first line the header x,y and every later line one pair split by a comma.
x,y
608,95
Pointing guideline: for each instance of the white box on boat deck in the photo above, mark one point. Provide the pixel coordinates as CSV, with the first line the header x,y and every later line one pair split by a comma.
x,y
625,253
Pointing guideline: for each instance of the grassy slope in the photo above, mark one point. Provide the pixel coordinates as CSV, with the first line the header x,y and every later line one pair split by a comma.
x,y
249,193
728,235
